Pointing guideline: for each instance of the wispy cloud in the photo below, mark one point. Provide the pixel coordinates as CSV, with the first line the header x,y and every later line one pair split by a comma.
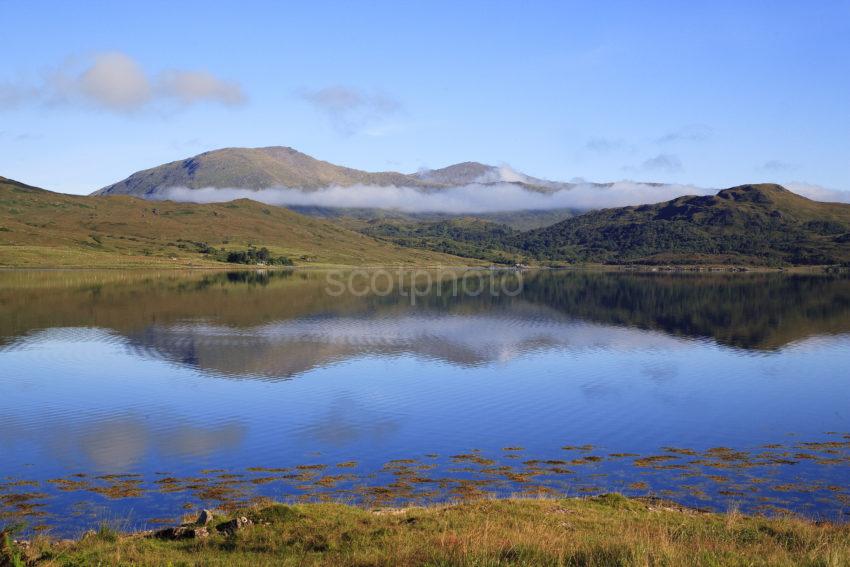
x,y
689,133
13,94
662,162
602,145
777,166
116,82
20,136
350,109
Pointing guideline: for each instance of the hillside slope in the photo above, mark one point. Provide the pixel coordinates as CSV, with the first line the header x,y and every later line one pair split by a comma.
x,y
764,224
360,218
42,228
466,236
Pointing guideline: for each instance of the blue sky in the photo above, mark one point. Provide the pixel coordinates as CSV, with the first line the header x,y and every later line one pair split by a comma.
x,y
713,93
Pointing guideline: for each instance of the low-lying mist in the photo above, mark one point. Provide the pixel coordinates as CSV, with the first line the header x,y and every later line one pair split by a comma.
x,y
470,199
467,199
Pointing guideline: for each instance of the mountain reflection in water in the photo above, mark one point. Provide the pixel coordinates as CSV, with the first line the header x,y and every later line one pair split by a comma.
x,y
282,323
113,382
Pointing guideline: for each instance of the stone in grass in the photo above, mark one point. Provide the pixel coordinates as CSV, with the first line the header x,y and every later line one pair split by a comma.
x,y
182,532
233,525
204,518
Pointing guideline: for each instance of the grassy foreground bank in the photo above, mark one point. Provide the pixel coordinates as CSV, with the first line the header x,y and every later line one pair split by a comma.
x,y
605,530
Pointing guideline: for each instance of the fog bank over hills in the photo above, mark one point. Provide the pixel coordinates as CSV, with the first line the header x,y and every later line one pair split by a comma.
x,y
464,199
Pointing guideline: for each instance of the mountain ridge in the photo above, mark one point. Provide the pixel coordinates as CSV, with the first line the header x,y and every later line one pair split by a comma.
x,y
283,166
765,223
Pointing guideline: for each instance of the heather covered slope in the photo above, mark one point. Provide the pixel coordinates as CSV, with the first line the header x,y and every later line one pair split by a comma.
x,y
42,228
761,224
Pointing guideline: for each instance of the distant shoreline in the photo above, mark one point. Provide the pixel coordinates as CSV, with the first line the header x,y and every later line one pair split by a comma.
x,y
624,268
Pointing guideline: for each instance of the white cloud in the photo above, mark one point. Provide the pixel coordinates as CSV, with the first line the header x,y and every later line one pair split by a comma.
x,y
196,86
467,199
116,82
503,174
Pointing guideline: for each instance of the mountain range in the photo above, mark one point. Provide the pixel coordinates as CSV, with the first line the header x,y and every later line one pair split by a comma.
x,y
286,170
133,222
279,166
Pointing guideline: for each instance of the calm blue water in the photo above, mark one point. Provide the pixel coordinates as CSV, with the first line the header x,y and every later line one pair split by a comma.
x,y
188,376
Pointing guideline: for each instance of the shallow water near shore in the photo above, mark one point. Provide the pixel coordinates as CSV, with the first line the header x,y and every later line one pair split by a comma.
x,y
141,396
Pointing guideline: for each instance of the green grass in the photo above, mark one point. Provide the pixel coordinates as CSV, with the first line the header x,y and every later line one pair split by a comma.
x,y
605,530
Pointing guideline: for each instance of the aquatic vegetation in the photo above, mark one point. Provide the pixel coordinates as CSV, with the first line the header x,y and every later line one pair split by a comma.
x,y
752,480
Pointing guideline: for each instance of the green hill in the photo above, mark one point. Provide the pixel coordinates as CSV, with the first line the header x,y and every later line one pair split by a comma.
x,y
42,228
760,224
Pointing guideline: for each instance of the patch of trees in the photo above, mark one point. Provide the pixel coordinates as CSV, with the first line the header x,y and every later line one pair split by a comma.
x,y
253,255
257,256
